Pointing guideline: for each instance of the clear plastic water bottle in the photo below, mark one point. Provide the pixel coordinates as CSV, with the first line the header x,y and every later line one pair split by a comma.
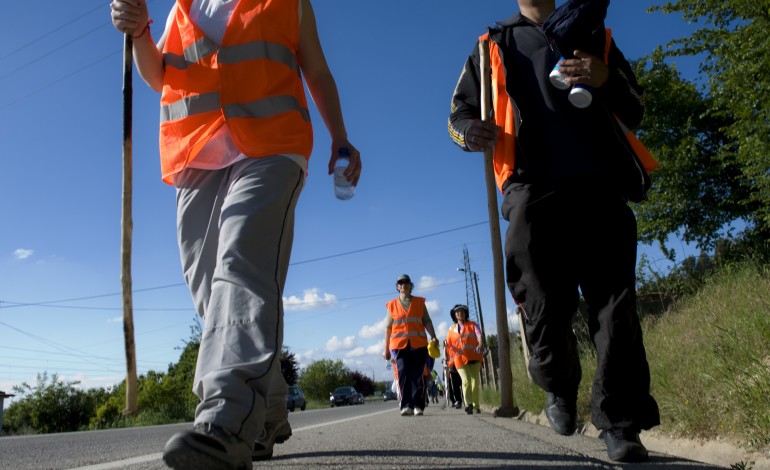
x,y
343,188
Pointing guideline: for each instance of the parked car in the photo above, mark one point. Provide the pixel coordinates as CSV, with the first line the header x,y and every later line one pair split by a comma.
x,y
343,396
388,395
295,398
358,399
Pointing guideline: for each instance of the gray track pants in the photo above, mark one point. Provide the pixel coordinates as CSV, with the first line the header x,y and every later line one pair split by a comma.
x,y
235,228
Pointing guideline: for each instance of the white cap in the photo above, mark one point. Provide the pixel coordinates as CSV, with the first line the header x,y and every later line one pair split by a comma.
x,y
580,97
557,79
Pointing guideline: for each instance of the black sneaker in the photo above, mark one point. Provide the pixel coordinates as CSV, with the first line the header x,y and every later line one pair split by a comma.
x,y
469,409
207,447
561,413
623,445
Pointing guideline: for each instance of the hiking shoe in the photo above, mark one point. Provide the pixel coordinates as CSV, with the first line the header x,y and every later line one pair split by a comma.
x,y
478,411
406,411
561,413
624,445
207,447
418,412
274,433
469,409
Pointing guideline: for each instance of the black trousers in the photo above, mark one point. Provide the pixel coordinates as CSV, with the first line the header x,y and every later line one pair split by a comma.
x,y
410,364
560,242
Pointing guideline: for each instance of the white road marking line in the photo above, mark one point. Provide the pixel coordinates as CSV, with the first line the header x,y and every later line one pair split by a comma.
x,y
123,463
158,456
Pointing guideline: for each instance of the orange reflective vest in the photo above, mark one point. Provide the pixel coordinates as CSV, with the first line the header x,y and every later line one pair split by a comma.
x,y
504,114
251,84
463,344
407,326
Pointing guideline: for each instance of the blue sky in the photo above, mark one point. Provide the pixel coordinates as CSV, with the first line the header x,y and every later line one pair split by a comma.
x,y
419,202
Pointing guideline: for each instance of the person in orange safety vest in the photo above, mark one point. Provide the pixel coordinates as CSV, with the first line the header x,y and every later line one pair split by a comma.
x,y
465,340
406,325
235,140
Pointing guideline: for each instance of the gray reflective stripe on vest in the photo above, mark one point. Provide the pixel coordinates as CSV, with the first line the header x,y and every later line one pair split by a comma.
x,y
192,54
262,108
258,50
401,321
266,107
189,106
408,335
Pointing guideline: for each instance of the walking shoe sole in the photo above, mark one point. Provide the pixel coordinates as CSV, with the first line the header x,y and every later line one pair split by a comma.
x,y
194,451
266,453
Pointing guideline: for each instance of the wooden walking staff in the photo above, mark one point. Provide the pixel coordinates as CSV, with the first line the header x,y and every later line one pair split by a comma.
x,y
507,409
127,226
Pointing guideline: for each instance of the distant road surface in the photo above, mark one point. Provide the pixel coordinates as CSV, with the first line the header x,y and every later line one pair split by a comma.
x,y
370,436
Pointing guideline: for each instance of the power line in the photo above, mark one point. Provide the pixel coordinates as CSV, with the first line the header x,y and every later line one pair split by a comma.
x,y
387,244
39,58
58,28
49,85
4,304
64,349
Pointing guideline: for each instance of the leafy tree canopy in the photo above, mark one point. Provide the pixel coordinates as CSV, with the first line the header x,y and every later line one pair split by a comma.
x,y
321,377
713,144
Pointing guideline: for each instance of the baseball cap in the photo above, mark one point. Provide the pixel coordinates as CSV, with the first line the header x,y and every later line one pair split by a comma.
x,y
404,277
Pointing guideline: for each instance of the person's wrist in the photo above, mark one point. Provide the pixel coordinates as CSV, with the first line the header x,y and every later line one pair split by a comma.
x,y
145,29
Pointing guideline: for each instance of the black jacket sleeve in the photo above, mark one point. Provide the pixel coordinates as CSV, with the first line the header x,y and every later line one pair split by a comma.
x,y
622,93
465,106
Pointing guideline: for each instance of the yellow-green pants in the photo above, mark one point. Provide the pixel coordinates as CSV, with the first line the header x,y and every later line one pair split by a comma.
x,y
470,375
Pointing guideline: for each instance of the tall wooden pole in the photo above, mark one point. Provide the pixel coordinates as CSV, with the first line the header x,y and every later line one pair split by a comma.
x,y
127,226
507,409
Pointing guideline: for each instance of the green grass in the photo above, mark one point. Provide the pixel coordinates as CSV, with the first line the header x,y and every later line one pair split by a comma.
x,y
709,360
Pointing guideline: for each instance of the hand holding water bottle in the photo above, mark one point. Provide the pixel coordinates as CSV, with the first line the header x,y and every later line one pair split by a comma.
x,y
346,168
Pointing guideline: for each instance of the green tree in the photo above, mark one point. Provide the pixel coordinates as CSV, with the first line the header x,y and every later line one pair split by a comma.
x,y
320,377
289,366
715,147
52,405
362,383
162,397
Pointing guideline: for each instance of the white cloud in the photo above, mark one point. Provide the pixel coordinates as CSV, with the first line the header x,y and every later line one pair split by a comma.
x,y
441,329
370,331
434,308
376,348
310,299
513,321
115,320
428,282
23,253
336,344
356,352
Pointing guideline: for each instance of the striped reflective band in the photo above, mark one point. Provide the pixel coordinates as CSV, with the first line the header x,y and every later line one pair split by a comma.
x,y
192,54
266,107
232,54
189,106
258,50
407,320
407,335
261,108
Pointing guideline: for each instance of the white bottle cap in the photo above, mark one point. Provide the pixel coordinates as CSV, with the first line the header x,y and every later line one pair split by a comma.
x,y
557,79
580,97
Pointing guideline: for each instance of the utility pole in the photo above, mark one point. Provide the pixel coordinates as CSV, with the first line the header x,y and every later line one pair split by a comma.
x,y
472,293
507,408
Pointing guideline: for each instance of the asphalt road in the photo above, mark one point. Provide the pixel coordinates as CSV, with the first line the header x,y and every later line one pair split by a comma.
x,y
372,436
